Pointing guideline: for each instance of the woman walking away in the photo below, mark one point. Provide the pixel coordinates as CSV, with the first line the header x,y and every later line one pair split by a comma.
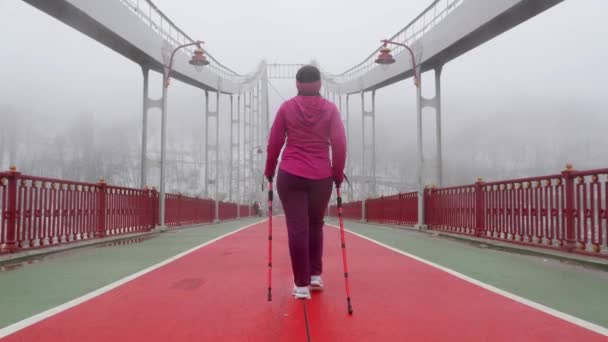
x,y
311,125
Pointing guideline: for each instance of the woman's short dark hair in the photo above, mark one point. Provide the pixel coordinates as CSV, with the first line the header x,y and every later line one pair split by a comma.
x,y
308,74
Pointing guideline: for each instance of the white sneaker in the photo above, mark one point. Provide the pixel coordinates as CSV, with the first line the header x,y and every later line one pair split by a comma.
x,y
316,283
301,292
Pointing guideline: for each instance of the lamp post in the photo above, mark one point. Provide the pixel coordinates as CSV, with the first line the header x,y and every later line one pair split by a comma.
x,y
256,174
385,58
259,151
198,60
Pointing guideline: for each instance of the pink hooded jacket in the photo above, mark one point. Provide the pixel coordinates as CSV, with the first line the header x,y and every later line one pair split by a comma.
x,y
311,125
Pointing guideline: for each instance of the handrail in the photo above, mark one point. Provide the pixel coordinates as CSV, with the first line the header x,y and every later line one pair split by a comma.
x,y
589,172
146,10
523,180
408,35
150,14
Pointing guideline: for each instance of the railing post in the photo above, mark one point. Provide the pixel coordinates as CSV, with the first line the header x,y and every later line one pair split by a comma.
x,y
363,210
154,203
12,211
216,212
149,205
178,210
570,211
428,192
100,231
480,208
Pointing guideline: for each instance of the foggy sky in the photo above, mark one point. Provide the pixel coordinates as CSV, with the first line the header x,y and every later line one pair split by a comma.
x,y
540,84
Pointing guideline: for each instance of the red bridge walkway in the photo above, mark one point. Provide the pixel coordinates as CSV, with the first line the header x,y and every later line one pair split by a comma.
x,y
217,293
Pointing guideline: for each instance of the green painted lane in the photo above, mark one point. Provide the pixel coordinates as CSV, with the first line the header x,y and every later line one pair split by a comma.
x,y
573,289
34,287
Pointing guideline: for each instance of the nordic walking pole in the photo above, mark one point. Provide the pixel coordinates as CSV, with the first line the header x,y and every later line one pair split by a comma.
x,y
346,281
270,195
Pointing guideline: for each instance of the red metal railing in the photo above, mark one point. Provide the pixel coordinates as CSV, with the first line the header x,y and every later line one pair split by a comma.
x,y
351,210
400,209
37,212
183,210
228,211
126,210
245,210
451,209
41,211
530,210
587,219
332,211
4,211
567,211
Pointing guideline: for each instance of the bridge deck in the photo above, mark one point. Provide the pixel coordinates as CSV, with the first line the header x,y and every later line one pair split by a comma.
x,y
217,292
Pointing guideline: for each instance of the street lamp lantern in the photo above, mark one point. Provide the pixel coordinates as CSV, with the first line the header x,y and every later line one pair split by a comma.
x,y
385,58
199,60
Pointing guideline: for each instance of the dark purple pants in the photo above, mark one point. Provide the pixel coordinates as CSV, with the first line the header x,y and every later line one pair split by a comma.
x,y
304,201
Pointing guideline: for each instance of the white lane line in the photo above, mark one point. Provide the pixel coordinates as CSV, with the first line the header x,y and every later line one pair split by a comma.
x,y
556,313
51,312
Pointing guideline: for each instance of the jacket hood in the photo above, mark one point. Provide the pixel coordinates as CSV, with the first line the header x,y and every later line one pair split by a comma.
x,y
310,108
